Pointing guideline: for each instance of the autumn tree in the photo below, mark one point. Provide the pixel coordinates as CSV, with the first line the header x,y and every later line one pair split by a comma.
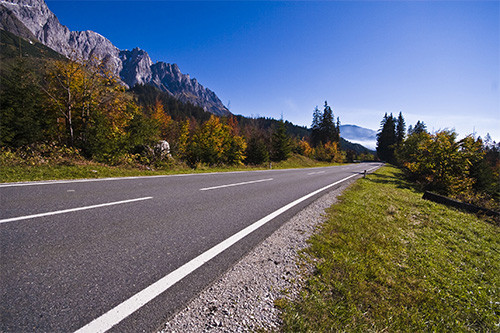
x,y
91,105
328,152
234,144
63,87
163,120
214,144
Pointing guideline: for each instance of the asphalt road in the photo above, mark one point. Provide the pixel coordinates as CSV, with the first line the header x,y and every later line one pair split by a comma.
x,y
124,254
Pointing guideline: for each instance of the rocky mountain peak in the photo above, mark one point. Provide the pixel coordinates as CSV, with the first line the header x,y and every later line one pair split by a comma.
x,y
28,18
136,67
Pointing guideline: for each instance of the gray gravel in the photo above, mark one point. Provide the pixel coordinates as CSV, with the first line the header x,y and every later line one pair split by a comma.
x,y
242,300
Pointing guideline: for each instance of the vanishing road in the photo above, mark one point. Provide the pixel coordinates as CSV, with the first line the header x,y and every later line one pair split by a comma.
x,y
124,254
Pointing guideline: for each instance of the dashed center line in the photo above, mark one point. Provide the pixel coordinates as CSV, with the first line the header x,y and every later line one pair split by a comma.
x,y
236,184
12,219
315,173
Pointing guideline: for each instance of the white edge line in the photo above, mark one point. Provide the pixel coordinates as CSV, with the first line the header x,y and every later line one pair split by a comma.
x,y
19,218
134,303
236,184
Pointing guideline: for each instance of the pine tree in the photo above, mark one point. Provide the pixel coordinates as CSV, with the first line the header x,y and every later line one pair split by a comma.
x,y
315,127
386,139
280,143
337,131
324,129
256,152
327,126
400,129
22,120
420,127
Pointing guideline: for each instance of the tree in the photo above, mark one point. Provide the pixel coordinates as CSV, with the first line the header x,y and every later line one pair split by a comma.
x,y
63,87
420,127
387,139
337,132
234,145
161,118
315,127
328,152
257,151
214,144
305,148
400,129
328,129
323,127
22,119
180,146
440,162
280,143
142,131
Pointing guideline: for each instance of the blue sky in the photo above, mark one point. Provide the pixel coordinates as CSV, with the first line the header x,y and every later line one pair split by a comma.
x,y
437,62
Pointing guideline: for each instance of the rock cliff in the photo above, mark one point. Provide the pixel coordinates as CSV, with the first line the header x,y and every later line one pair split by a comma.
x,y
33,19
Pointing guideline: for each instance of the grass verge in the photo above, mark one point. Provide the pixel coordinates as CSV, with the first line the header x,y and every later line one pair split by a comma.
x,y
387,260
87,169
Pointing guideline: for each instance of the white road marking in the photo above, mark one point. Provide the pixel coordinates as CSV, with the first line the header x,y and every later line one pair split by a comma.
x,y
88,180
236,184
315,173
70,181
19,218
134,303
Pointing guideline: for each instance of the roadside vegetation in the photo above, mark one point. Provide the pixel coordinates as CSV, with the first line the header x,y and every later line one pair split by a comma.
x,y
46,162
466,169
387,260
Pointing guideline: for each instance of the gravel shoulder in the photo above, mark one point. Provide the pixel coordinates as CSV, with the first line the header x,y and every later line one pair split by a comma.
x,y
242,300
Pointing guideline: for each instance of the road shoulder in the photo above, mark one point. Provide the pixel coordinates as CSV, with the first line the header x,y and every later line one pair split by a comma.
x,y
243,298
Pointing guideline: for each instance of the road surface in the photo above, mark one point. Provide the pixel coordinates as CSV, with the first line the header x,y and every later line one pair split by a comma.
x,y
124,254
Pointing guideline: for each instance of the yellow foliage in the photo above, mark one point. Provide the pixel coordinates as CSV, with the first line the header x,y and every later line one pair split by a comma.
x,y
305,148
164,121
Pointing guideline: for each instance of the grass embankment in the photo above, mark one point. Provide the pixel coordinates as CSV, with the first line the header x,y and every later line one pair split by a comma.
x,y
387,260
14,170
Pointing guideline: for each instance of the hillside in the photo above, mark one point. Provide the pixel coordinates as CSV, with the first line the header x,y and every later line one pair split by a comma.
x,y
12,47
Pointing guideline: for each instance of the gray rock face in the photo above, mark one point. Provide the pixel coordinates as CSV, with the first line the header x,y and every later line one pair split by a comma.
x,y
44,25
9,22
133,67
168,77
136,67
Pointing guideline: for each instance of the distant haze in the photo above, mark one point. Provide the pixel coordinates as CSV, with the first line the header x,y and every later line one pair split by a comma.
x,y
356,134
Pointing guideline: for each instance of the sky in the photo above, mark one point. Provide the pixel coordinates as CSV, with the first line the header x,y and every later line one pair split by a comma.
x,y
434,61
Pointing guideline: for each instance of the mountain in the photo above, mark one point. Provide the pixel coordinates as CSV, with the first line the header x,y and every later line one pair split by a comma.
x,y
33,20
360,135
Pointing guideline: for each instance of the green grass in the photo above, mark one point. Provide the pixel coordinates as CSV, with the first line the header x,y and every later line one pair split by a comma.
x,y
16,172
387,260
